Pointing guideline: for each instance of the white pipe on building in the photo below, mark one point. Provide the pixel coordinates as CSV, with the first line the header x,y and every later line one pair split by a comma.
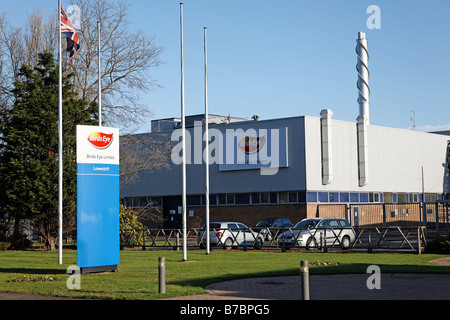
x,y
327,146
363,157
363,101
362,68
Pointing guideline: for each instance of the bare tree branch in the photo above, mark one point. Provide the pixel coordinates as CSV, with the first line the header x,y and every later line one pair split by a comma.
x,y
142,153
127,58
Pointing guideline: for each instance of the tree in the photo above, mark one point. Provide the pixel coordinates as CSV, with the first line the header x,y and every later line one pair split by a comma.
x,y
127,58
29,149
143,153
129,219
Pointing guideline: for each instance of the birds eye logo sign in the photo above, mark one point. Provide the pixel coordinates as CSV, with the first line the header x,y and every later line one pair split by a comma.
x,y
100,140
98,199
251,145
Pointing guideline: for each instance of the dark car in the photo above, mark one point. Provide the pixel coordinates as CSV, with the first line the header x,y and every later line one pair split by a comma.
x,y
270,227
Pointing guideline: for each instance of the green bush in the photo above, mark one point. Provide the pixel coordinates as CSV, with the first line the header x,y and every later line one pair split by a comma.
x,y
4,246
21,243
439,245
130,226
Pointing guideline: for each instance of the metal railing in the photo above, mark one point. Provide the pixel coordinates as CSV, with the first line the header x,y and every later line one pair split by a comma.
x,y
161,238
391,238
324,239
231,237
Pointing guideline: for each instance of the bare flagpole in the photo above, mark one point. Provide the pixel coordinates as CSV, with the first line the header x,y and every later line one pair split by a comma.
x,y
60,147
206,148
183,122
99,79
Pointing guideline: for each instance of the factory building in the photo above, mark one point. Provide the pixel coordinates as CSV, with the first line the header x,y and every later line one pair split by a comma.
x,y
298,167
317,171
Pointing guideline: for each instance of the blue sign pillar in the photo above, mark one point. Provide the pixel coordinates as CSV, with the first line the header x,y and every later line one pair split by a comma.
x,y
98,239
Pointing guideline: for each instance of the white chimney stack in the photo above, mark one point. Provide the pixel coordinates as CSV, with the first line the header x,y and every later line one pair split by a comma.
x,y
362,67
327,146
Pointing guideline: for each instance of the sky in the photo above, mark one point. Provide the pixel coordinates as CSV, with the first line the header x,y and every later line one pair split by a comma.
x,y
287,58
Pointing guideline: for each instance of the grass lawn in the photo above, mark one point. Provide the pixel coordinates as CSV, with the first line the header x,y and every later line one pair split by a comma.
x,y
137,276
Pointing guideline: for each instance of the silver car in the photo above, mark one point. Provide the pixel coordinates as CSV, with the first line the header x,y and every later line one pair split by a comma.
x,y
310,233
230,234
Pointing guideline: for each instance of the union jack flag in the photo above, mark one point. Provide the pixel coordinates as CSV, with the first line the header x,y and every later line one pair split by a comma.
x,y
67,28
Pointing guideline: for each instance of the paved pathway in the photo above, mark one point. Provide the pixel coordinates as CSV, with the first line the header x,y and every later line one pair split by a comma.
x,y
322,287
332,287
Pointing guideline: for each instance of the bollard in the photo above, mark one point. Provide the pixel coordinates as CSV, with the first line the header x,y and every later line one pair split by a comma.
x,y
245,243
323,244
419,242
162,274
176,246
304,272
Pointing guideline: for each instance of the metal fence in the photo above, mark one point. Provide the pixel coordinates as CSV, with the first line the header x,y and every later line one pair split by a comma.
x,y
413,239
436,218
382,226
432,215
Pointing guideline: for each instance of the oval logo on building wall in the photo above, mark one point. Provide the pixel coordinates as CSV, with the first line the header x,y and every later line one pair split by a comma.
x,y
251,144
100,140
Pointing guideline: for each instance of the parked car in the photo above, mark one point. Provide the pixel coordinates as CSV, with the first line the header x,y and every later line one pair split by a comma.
x,y
308,232
268,227
230,234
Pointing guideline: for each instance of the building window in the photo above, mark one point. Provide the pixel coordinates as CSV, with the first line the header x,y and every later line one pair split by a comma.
x,y
394,198
311,196
301,197
143,202
273,197
387,197
413,197
230,198
222,199
374,197
293,197
333,197
264,197
344,197
135,202
430,197
255,198
323,196
282,197
354,197
401,197
364,197
212,200
193,200
242,198
155,201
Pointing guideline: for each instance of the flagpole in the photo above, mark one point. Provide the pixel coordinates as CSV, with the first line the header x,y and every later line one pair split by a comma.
x,y
60,147
206,148
183,122
99,80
